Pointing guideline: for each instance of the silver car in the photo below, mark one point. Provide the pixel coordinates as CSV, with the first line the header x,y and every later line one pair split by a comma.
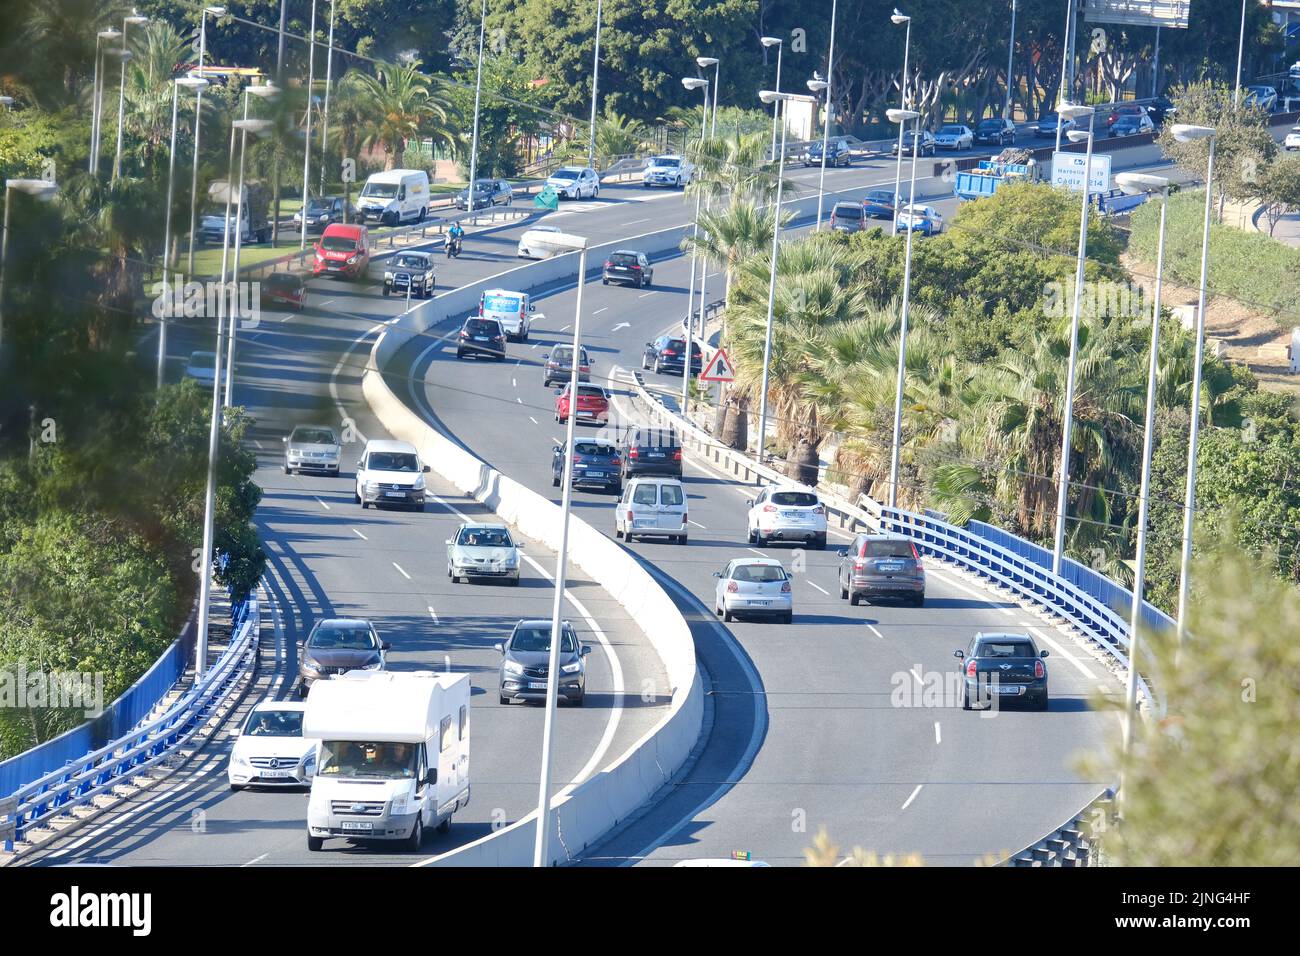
x,y
483,551
312,448
753,586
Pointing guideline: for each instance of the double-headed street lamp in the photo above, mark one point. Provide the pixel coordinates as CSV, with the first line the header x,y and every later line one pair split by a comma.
x,y
135,19
325,112
694,83
901,117
777,42
196,84
900,19
41,189
1157,185
1186,134
96,97
541,851
1073,111
215,11
704,62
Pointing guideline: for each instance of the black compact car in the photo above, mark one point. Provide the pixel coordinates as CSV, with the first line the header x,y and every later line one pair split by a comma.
x,y
481,337
1003,667
410,271
596,464
651,451
324,211
995,132
668,354
628,266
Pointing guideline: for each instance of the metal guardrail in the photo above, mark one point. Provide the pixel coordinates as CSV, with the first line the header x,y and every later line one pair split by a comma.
x,y
1072,843
80,781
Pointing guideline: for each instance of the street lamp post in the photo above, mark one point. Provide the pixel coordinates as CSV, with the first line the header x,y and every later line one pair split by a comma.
x,y
595,76
41,189
190,83
1241,49
1159,185
1184,133
215,11
325,114
306,139
694,83
895,452
777,42
96,97
478,89
1011,59
782,100
826,123
541,852
898,19
1072,112
1066,50
135,19
98,132
704,62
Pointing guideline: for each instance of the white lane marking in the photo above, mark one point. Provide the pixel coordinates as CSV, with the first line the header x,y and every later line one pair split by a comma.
x,y
566,328
819,588
917,674
401,571
533,420
876,631
434,614
697,524
909,800
983,598
514,382
520,400
1058,649
256,859
646,295
334,385
621,325
257,443
635,221
600,310
322,504
758,552
360,535
285,319
938,737
328,302
535,344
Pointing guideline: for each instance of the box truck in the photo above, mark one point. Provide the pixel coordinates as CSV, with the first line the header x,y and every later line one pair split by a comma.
x,y
393,757
255,226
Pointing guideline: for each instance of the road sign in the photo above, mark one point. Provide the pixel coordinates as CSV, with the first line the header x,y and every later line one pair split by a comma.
x,y
1067,171
719,368
547,199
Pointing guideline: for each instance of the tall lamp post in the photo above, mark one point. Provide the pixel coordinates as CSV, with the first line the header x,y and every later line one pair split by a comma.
x,y
541,848
1072,112
1067,49
1185,134
96,97
41,189
896,446
478,90
215,11
1158,185
782,100
1241,49
1011,59
306,139
777,42
704,62
325,113
117,53
595,76
134,19
196,84
694,83
826,123
899,19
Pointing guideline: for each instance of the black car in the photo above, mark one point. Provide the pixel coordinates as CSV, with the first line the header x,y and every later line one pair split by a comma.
x,y
995,132
668,354
410,271
525,660
323,212
651,451
596,463
1003,667
481,337
625,265
1159,108
487,192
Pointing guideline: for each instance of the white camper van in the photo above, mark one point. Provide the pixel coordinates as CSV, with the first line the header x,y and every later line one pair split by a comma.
x,y
393,757
393,197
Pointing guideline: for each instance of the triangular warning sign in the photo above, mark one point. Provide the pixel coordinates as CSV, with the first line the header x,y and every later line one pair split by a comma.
x,y
719,368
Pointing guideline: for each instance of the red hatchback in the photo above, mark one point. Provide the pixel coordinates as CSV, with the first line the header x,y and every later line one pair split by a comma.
x,y
281,289
593,405
343,250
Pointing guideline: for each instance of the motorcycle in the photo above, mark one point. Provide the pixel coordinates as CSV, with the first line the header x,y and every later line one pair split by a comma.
x,y
453,246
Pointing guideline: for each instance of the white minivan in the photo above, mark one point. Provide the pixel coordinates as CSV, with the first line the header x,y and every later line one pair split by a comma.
x,y
652,507
394,196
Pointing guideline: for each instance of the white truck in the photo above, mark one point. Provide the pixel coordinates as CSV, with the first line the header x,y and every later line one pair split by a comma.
x,y
251,206
394,197
393,758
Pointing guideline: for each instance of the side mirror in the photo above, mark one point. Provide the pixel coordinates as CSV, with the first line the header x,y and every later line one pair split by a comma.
x,y
518,546
532,308
385,646
448,541
559,391
586,649
360,466
557,450
1043,654
428,469
499,647
749,502
843,552
285,439
717,574
960,655
432,776
546,356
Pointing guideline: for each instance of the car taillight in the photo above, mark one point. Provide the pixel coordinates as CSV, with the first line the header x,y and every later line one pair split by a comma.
x,y
677,455
970,667
1039,670
785,587
769,509
819,510
685,518
920,566
670,351
577,460
732,588
608,263
629,516
464,333
859,565
633,453
616,461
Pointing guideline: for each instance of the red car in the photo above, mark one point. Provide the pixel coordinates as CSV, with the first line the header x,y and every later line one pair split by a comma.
x,y
343,250
281,289
593,404
1127,110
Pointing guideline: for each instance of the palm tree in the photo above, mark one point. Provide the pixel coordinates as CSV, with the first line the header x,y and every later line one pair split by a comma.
x,y
731,234
158,50
395,104
735,167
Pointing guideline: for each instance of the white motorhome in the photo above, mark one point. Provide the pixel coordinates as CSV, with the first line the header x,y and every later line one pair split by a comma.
x,y
394,196
393,757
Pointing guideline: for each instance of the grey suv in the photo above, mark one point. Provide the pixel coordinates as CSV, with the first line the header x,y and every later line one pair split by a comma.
x,y
526,657
881,565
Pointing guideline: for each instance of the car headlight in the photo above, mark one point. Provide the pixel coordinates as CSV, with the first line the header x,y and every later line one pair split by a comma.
x,y
373,666
388,277
239,761
399,804
419,483
319,257
324,218
351,260
571,668
512,667
309,758
310,665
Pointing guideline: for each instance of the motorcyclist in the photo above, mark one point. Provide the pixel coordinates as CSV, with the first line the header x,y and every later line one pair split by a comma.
x,y
455,236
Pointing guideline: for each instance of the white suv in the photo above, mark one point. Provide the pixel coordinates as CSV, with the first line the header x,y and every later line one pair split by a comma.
x,y
390,473
787,513
674,171
575,182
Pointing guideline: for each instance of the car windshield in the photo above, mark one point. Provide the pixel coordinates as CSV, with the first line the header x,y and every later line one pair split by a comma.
x,y
758,573
319,206
952,130
848,211
312,436
563,355
889,549
274,723
203,360
484,538
343,637
484,185
379,191
990,124
501,303
1049,119
537,638
360,758
878,195
800,499
566,174
282,281
590,391
654,438
393,461
410,262
338,243
483,327
1005,649
623,259
593,448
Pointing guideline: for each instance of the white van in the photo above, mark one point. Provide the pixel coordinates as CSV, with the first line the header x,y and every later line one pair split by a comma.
x,y
512,309
393,757
652,507
393,197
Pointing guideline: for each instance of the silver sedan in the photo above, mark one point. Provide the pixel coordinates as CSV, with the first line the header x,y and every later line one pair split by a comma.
x,y
483,551
312,448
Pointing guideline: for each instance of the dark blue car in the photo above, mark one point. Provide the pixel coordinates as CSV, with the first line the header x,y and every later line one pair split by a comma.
x,y
998,668
596,464
879,204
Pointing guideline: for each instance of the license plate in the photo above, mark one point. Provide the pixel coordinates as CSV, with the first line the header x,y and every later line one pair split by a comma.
x,y
890,566
643,522
756,603
794,515
537,685
357,825
656,454
480,338
394,494
595,474
275,774
1002,689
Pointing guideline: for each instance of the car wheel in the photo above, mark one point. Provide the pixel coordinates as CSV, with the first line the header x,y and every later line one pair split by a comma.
x,y
287,471
844,592
819,542
618,532
788,617
1041,702
364,504
644,364
855,598
717,610
577,701
386,292
555,482
459,354
629,537
727,616
604,281
416,839
315,843
759,540
657,371
616,490
421,507
235,788
919,602
445,825
965,698
504,700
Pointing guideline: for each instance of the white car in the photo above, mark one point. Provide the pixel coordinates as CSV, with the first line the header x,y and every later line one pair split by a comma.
x,y
787,513
1292,140
483,551
271,750
534,244
390,473
674,171
575,182
202,367
312,448
954,137
753,586
927,220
